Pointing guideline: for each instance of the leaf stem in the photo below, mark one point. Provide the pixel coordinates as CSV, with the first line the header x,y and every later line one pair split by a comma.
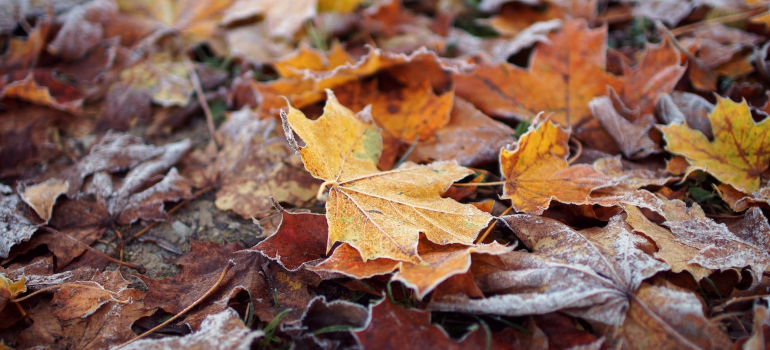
x,y
126,264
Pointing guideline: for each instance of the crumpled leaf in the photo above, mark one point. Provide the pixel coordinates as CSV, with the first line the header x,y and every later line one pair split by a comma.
x,y
15,226
697,244
684,107
564,75
739,201
81,28
379,213
221,331
537,171
481,135
588,273
253,164
322,317
632,137
625,180
664,316
739,152
656,74
107,327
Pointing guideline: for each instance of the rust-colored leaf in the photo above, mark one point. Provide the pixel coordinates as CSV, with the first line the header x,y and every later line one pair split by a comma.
x,y
537,171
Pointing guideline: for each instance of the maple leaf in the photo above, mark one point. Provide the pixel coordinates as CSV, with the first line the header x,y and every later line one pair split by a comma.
x,y
194,21
739,153
697,244
381,214
656,74
323,315
223,330
739,201
537,171
282,19
163,77
300,238
563,77
589,273
632,137
482,138
42,87
253,165
16,226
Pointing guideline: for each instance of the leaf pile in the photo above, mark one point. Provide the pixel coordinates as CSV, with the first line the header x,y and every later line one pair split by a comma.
x,y
240,174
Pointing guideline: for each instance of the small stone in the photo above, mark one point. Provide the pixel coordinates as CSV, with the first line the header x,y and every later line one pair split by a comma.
x,y
181,229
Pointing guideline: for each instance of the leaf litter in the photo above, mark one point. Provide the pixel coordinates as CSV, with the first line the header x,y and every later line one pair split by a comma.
x,y
321,174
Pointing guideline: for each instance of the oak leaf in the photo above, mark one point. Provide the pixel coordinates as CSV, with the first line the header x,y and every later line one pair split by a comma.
x,y
381,214
537,171
739,153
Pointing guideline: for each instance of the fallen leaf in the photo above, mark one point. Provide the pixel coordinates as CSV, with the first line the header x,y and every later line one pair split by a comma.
x,y
322,317
194,21
564,75
697,244
590,273
42,86
663,316
253,164
632,137
301,238
537,171
656,74
482,138
739,152
379,213
81,28
282,19
221,331
739,201
683,107
163,77
41,197
15,226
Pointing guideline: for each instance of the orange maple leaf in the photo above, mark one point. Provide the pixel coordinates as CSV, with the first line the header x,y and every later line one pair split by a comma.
x,y
381,214
537,171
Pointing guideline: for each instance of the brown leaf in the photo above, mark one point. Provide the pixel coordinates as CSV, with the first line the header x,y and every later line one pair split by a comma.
x,y
481,136
15,226
43,87
632,137
301,238
81,28
221,331
588,273
41,197
663,316
739,201
253,164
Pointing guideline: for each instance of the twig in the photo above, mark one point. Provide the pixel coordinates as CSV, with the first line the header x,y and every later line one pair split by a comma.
x,y
662,28
408,152
486,233
724,19
101,289
205,105
211,291
138,268
578,153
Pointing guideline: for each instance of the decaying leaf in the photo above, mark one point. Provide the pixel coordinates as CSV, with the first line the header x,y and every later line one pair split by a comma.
x,y
589,273
300,238
15,226
537,171
379,213
632,137
739,201
739,153
221,331
41,197
253,164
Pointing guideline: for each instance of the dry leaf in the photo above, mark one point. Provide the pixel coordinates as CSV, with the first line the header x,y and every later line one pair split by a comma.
x,y
739,152
537,171
15,226
379,213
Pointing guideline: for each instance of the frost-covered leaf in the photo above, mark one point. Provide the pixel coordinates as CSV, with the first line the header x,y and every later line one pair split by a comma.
x,y
15,226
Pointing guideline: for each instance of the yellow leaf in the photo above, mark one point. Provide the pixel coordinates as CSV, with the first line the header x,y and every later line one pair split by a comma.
x,y
381,214
739,153
537,171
